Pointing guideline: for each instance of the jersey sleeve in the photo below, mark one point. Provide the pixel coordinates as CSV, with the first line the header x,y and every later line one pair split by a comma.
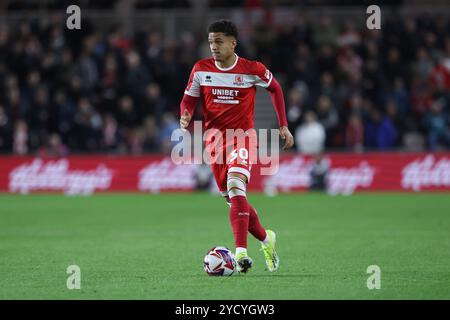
x,y
193,86
263,76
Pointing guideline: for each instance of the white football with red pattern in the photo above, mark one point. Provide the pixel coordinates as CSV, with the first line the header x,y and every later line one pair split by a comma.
x,y
219,261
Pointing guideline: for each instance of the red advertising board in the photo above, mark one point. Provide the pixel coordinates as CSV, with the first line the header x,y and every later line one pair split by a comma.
x,y
368,172
347,173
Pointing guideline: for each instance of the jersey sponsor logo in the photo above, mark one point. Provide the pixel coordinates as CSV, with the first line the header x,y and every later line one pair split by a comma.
x,y
225,96
225,92
208,78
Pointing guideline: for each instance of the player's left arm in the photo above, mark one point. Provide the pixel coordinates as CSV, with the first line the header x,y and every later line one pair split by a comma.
x,y
265,79
276,94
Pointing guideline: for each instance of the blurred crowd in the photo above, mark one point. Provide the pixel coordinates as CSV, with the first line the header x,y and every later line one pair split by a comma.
x,y
363,89
87,91
345,87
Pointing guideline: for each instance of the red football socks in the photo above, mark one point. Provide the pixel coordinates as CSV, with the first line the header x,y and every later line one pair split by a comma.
x,y
254,226
239,218
243,218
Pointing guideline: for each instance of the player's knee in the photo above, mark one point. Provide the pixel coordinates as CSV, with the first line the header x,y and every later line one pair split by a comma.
x,y
236,186
238,175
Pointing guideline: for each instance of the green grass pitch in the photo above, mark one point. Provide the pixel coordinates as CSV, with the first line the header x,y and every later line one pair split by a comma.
x,y
138,246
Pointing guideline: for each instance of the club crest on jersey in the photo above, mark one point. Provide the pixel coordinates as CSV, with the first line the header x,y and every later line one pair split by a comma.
x,y
239,80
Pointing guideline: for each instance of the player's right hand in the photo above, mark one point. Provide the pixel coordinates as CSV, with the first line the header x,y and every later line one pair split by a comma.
x,y
185,119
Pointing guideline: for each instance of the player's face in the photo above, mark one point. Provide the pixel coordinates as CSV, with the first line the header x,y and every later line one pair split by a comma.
x,y
222,46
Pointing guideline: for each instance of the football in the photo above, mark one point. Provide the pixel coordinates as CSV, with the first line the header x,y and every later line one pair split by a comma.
x,y
219,261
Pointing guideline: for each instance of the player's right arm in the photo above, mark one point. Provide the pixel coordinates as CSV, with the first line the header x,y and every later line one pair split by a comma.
x,y
190,98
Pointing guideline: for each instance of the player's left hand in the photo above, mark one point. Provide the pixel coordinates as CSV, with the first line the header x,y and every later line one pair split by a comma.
x,y
285,134
185,119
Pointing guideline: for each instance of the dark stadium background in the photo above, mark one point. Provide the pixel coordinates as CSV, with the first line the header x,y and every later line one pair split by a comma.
x,y
115,85
92,111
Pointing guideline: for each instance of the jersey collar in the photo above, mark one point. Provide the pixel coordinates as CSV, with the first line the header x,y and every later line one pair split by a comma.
x,y
229,68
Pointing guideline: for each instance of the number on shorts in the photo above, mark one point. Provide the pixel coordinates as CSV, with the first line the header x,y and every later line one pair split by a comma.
x,y
243,154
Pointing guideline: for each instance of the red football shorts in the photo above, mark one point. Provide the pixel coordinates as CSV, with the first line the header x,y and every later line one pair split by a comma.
x,y
238,158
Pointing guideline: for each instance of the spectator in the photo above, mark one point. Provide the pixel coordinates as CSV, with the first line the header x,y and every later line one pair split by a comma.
x,y
319,172
394,66
88,124
5,130
310,136
33,81
203,177
349,62
446,58
326,60
63,114
349,36
38,117
135,141
423,64
296,106
16,107
150,140
20,143
328,87
326,32
440,76
379,130
354,134
153,103
127,115
112,136
169,124
372,79
137,76
109,84
88,70
54,147
436,123
400,98
328,117
421,98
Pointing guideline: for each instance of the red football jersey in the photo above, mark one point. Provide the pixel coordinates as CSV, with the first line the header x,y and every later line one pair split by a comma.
x,y
228,94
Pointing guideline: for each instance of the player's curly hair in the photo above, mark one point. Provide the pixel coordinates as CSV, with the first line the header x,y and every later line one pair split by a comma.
x,y
225,26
